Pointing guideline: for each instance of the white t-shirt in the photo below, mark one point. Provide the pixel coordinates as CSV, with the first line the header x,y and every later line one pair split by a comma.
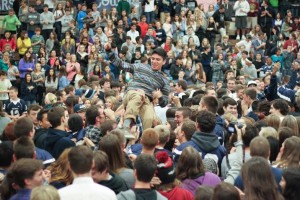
x,y
4,85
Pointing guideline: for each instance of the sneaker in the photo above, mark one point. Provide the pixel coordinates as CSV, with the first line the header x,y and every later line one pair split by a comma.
x,y
243,37
238,37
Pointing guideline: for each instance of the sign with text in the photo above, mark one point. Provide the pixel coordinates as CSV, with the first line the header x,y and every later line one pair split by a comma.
x,y
5,5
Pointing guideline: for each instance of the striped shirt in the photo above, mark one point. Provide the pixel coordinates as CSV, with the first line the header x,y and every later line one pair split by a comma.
x,y
144,77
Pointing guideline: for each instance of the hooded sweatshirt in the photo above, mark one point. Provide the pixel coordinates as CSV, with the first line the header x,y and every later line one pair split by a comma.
x,y
35,18
208,178
116,183
208,143
140,194
57,141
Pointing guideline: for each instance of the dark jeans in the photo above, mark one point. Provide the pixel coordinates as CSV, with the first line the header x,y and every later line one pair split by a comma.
x,y
46,33
150,16
208,73
58,26
40,94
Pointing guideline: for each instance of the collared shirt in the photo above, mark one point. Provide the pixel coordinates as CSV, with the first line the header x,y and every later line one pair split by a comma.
x,y
84,188
94,134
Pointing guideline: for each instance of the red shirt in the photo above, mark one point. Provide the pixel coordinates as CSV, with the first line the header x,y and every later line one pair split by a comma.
x,y
178,194
11,42
253,6
144,28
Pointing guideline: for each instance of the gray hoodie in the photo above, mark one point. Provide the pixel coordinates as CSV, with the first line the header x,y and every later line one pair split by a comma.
x,y
33,17
47,17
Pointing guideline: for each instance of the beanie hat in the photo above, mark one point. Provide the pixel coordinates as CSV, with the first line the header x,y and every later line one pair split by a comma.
x,y
165,168
210,165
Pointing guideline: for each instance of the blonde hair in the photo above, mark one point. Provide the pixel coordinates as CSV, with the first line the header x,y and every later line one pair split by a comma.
x,y
268,132
50,98
44,192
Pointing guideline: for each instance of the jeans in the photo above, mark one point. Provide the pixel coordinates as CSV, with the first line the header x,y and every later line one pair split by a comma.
x,y
150,16
28,103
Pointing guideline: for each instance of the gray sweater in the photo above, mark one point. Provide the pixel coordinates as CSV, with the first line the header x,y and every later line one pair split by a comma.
x,y
33,17
47,17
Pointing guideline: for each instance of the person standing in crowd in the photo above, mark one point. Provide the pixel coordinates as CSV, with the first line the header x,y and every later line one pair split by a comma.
x,y
11,22
241,8
47,22
83,186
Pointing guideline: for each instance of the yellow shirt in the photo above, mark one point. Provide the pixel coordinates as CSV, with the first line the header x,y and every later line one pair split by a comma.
x,y
23,45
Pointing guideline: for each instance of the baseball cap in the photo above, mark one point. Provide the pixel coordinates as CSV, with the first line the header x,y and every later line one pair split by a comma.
x,y
251,83
79,108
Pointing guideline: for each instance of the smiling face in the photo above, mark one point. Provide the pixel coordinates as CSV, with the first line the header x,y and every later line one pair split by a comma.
x,y
157,62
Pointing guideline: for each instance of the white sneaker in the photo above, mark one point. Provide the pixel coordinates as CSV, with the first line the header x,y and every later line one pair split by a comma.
x,y
243,37
238,37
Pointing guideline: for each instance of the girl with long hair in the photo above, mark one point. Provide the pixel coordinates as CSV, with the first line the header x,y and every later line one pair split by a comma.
x,y
51,80
177,28
289,155
67,47
28,90
72,67
58,14
26,64
116,158
62,78
61,173
191,172
200,75
23,43
290,183
109,29
38,77
259,181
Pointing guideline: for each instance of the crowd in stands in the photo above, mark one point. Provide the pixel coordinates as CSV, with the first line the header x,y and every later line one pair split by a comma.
x,y
150,99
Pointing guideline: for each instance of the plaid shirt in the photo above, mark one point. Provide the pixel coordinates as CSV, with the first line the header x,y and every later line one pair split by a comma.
x,y
94,134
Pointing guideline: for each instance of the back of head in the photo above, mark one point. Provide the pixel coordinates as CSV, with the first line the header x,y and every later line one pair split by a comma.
x,y
204,192
101,161
291,154
150,139
81,159
291,122
292,183
257,176
45,192
145,166
23,127
54,116
189,128
163,133
206,121
268,132
25,169
91,114
75,122
225,191
186,112
115,157
251,93
284,133
250,133
6,154
211,103
24,148
259,146
189,164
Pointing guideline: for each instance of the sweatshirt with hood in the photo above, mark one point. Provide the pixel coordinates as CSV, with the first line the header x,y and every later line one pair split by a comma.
x,y
140,194
208,143
57,141
116,183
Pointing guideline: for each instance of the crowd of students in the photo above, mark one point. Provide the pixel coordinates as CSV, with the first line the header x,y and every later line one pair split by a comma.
x,y
150,100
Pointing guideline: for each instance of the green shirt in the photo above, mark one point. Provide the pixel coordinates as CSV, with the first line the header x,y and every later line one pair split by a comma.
x,y
35,39
274,3
11,22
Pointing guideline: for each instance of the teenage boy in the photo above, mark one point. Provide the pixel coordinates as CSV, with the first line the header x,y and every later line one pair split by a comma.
x,y
37,40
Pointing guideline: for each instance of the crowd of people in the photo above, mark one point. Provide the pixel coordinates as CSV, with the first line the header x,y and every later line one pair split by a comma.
x,y
150,100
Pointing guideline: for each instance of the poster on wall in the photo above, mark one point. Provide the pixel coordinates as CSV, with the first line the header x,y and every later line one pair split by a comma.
x,y
5,5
